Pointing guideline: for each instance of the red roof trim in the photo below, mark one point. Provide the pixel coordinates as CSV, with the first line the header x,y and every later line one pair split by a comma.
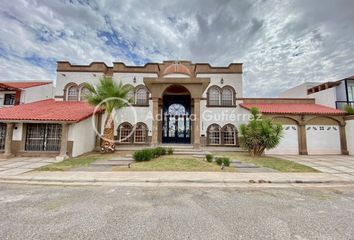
x,y
48,110
293,108
25,84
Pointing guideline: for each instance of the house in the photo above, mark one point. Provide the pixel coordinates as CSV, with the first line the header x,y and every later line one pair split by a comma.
x,y
336,94
299,91
15,93
175,102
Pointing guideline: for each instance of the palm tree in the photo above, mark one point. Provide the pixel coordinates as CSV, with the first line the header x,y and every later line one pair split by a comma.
x,y
109,96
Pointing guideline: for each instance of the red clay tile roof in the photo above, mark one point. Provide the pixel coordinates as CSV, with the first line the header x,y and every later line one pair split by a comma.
x,y
293,108
48,110
24,84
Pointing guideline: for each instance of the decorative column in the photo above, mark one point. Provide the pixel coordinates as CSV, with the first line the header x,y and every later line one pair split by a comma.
x,y
64,142
343,139
302,138
196,124
155,122
8,140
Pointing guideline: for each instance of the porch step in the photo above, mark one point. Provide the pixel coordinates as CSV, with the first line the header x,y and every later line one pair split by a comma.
x,y
196,153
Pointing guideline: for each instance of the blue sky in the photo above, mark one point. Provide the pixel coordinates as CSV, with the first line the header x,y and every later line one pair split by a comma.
x,y
281,43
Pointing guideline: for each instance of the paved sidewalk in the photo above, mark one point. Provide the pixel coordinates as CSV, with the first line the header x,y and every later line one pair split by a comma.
x,y
128,178
333,164
19,165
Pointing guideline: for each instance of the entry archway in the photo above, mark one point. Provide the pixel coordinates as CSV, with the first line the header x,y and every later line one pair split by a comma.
x,y
176,122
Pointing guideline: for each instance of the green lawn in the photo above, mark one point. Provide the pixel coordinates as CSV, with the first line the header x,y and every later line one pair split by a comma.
x,y
276,163
174,163
70,163
81,161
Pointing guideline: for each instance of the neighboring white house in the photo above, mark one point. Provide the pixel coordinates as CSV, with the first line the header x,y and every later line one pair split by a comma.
x,y
299,91
15,93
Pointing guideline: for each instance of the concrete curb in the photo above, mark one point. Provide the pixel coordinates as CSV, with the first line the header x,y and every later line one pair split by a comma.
x,y
94,181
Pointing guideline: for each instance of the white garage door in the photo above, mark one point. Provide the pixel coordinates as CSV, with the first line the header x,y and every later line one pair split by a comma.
x,y
323,139
289,144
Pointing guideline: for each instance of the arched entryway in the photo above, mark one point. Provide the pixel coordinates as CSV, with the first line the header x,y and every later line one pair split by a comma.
x,y
176,122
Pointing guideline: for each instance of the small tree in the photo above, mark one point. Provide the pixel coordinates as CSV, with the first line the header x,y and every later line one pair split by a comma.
x,y
109,96
260,134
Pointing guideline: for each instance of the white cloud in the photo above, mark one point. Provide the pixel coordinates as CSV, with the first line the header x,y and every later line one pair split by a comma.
x,y
281,43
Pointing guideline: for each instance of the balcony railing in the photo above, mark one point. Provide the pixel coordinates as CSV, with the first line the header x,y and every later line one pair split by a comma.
x,y
341,104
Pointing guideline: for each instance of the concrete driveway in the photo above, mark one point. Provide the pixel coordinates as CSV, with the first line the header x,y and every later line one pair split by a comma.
x,y
334,164
19,165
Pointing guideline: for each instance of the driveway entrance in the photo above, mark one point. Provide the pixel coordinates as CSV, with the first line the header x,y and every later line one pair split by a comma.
x,y
335,164
19,165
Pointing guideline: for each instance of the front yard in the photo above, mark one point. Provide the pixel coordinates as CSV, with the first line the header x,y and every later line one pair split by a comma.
x,y
179,163
175,163
276,163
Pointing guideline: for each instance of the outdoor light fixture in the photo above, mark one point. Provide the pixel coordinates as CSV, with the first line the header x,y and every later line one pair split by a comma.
x,y
134,79
222,80
63,74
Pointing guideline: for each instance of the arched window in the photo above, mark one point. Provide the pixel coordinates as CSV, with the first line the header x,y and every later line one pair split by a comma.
x,y
227,97
72,93
229,134
140,133
214,96
125,133
130,96
83,92
214,134
141,96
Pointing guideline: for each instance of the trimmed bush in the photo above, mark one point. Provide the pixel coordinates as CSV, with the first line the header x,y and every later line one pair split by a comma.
x,y
220,160
209,157
149,153
169,151
159,151
143,155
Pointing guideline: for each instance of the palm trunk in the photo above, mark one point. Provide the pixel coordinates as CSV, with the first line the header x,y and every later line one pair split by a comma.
x,y
108,144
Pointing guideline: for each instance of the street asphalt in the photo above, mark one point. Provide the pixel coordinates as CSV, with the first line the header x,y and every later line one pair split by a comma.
x,y
111,212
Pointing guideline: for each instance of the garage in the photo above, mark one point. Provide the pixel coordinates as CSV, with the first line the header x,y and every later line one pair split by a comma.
x,y
323,139
289,144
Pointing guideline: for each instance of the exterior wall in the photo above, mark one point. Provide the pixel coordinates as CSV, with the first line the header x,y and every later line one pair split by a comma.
x,y
128,78
2,98
133,115
234,80
323,141
18,132
289,144
299,91
37,93
63,78
326,97
221,116
83,136
349,129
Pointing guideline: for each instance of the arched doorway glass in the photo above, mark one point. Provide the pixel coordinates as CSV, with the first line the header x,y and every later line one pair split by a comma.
x,y
176,111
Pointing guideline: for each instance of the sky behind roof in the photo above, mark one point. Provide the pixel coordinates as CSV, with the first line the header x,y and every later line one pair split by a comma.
x,y
281,43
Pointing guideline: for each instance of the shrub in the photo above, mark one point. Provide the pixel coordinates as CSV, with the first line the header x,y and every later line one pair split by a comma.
x,y
169,151
220,160
209,157
143,155
149,153
260,134
349,109
159,151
